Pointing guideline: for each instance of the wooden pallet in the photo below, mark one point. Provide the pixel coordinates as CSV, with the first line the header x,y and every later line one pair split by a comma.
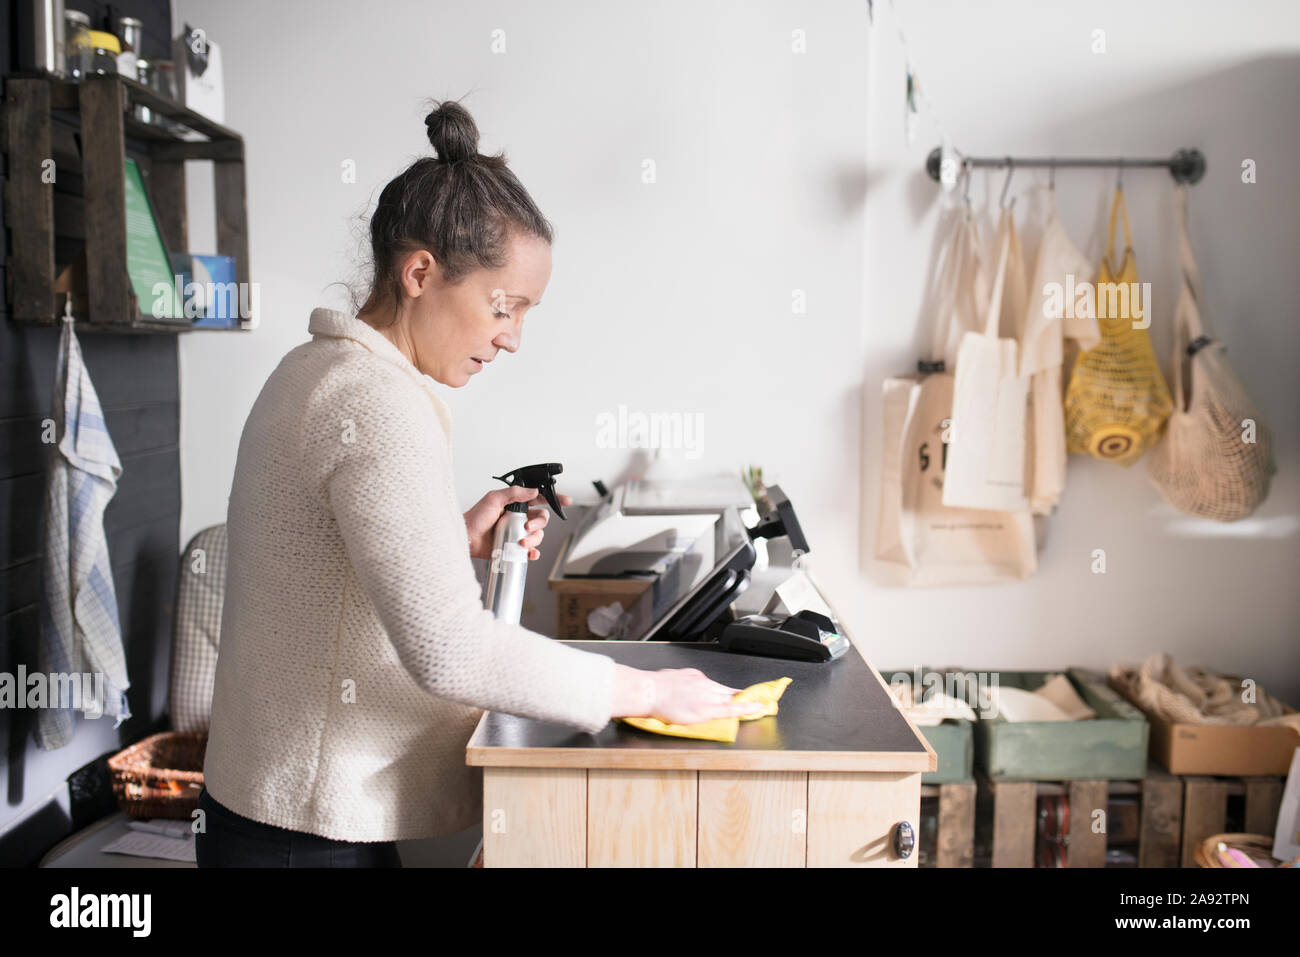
x,y
955,842
1014,814
1205,808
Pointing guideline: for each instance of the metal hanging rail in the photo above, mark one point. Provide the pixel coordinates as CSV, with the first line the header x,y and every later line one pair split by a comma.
x,y
1186,165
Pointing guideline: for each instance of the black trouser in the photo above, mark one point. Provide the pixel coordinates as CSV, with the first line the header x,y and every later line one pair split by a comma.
x,y
232,840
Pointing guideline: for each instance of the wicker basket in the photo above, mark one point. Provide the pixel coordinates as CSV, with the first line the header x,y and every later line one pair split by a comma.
x,y
1258,847
160,776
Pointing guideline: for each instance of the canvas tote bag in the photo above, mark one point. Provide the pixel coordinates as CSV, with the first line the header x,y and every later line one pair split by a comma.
x,y
1206,465
956,270
934,544
986,449
1061,273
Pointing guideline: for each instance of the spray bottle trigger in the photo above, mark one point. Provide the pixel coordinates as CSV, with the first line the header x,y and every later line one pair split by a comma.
x,y
548,489
541,477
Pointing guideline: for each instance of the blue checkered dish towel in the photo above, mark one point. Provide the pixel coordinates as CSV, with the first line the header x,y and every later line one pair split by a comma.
x,y
80,631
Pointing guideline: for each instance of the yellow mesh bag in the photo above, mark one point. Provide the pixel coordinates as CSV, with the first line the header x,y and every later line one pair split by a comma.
x,y
1117,400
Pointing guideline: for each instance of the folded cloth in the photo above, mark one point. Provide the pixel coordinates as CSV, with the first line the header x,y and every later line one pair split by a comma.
x,y
80,631
935,709
1197,696
1061,693
1017,704
765,696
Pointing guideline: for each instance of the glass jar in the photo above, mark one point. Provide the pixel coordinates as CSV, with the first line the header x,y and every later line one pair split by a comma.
x,y
164,76
103,53
146,74
76,43
130,32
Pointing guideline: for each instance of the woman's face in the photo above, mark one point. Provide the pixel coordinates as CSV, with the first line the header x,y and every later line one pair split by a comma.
x,y
453,331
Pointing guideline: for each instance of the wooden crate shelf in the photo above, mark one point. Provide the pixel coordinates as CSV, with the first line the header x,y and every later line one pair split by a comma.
x,y
954,830
1012,809
89,129
1205,808
1174,814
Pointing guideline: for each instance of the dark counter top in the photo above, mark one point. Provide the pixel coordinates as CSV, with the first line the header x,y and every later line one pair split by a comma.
x,y
835,716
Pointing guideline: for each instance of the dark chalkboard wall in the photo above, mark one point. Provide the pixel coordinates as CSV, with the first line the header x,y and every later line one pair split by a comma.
x,y
136,378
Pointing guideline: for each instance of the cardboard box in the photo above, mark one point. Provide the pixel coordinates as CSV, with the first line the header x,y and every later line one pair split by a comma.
x,y
576,598
1226,749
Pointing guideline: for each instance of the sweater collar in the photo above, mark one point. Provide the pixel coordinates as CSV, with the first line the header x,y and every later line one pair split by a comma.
x,y
339,325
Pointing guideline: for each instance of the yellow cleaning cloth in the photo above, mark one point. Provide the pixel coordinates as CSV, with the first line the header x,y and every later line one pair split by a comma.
x,y
765,696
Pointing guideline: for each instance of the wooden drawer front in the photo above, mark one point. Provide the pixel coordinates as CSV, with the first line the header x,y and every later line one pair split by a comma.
x,y
852,817
753,819
641,818
534,817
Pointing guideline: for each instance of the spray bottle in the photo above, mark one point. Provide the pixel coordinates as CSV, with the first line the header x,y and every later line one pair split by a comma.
x,y
509,563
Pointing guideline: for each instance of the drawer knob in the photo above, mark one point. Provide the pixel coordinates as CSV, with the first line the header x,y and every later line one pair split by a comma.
x,y
904,840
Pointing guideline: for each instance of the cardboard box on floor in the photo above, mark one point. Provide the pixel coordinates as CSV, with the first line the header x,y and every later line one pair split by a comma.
x,y
576,598
1225,749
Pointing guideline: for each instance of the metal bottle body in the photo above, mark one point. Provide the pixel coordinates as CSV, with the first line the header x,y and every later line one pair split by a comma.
x,y
508,566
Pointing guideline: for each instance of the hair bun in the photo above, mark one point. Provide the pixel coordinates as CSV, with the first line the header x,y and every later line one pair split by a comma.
x,y
452,132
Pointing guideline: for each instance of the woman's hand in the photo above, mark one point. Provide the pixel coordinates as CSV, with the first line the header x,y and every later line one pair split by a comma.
x,y
482,519
675,696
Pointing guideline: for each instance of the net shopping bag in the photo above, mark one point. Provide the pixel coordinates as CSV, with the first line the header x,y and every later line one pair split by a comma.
x,y
1117,400
938,545
985,467
1216,458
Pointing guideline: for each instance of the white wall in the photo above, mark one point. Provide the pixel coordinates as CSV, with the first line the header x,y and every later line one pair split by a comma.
x,y
1016,77
780,172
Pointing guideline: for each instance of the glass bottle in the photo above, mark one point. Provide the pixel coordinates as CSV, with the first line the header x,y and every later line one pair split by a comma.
x,y
76,43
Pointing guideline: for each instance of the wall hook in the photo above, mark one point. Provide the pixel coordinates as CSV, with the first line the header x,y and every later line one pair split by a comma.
x,y
1006,184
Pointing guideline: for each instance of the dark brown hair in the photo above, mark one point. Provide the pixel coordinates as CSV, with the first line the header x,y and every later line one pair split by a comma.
x,y
460,206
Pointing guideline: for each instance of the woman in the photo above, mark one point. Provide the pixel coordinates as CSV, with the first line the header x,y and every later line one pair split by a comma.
x,y
356,655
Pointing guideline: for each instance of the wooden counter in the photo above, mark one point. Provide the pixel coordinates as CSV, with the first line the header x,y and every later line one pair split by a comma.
x,y
824,783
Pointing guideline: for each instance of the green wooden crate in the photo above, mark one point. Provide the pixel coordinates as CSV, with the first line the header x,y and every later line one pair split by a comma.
x,y
1111,746
953,743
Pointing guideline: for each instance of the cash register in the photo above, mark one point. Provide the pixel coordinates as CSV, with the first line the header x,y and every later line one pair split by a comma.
x,y
702,610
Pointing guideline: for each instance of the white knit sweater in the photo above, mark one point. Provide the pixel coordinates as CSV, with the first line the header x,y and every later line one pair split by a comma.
x,y
355,650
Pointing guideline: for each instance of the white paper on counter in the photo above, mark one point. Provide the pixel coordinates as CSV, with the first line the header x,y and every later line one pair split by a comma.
x,y
166,826
143,844
798,594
